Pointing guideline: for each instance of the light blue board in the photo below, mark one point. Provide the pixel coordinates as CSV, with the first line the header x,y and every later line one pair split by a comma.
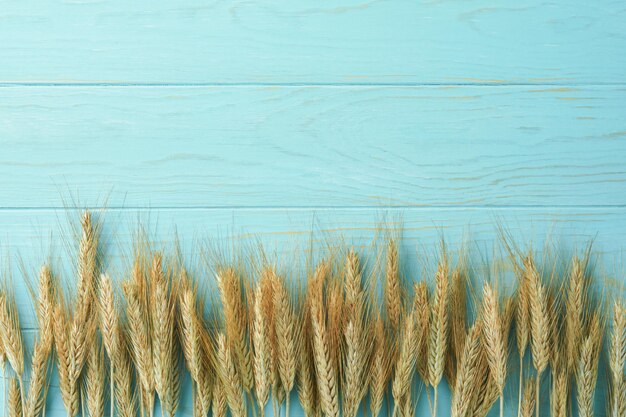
x,y
294,122
308,41
313,146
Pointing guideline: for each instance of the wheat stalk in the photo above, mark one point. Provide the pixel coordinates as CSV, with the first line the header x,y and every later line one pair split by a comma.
x,y
468,373
438,331
229,379
494,340
393,286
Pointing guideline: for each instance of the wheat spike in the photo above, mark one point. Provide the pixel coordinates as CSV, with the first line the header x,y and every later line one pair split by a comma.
x,y
261,350
380,368
405,363
45,306
421,310
138,316
229,379
617,353
11,333
575,305
14,399
393,286
219,403
494,337
468,373
164,343
190,334
529,400
235,318
69,390
587,372
619,400
560,393
458,313
322,353
355,357
286,336
95,380
38,377
522,328
438,331
307,389
123,381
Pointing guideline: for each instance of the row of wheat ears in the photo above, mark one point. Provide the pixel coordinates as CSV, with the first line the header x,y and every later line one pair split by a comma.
x,y
332,341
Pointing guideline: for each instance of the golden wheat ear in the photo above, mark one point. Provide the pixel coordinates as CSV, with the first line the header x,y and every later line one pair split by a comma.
x,y
587,371
438,337
617,355
393,286
11,333
14,398
380,367
529,400
468,373
229,378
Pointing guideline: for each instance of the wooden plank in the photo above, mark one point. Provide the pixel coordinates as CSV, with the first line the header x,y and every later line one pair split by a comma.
x,y
313,146
280,41
31,237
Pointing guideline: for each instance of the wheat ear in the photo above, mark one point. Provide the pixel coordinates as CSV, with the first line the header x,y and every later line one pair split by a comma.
x,y
381,367
587,372
322,353
560,393
138,316
11,334
438,331
458,317
14,400
393,286
494,340
467,373
405,363
617,352
286,328
307,389
261,351
574,305
37,388
235,319
529,400
69,391
190,334
229,379
219,404
540,328
95,381
123,378
522,329
164,342
421,310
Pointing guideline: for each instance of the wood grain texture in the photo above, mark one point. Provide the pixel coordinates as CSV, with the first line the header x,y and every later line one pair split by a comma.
x,y
313,146
281,41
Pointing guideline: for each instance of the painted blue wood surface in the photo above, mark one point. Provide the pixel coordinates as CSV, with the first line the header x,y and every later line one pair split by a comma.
x,y
296,120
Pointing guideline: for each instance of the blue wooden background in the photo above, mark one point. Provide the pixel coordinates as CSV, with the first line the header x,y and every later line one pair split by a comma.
x,y
273,119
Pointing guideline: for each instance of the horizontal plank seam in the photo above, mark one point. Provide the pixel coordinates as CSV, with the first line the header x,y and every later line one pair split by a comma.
x,y
309,208
302,84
